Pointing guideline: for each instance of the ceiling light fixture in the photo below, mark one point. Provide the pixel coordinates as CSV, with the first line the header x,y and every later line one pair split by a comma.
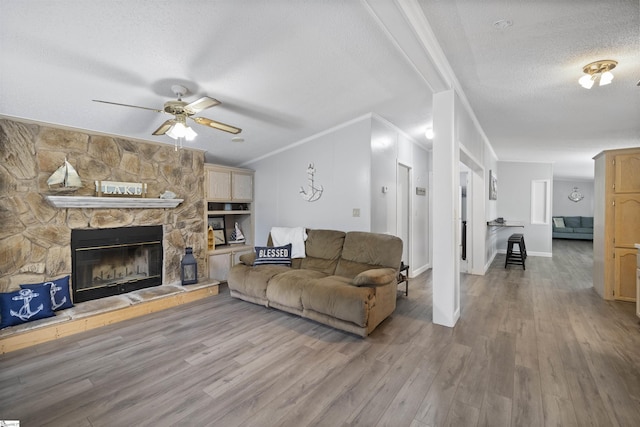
x,y
598,71
429,133
180,131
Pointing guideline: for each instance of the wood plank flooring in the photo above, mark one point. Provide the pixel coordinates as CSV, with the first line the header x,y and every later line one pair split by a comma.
x,y
532,348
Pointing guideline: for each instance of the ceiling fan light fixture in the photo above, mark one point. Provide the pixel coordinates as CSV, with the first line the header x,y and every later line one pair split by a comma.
x,y
189,134
599,71
176,131
180,130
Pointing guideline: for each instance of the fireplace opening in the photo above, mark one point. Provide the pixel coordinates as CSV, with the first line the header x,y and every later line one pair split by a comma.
x,y
112,261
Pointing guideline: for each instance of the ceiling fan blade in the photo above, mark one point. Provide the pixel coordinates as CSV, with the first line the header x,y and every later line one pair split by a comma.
x,y
164,127
201,104
216,125
128,105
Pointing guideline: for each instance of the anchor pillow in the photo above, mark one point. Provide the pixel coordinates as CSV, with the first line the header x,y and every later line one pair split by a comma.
x,y
59,291
25,305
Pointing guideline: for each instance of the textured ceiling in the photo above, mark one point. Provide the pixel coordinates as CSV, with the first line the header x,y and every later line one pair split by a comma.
x,y
522,82
287,69
283,70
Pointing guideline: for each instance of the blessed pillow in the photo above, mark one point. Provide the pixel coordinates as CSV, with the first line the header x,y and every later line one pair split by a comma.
x,y
59,291
273,255
25,305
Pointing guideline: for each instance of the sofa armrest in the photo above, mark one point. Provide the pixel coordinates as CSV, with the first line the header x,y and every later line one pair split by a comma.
x,y
248,258
376,277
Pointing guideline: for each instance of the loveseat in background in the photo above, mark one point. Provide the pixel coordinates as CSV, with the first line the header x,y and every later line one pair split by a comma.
x,y
575,227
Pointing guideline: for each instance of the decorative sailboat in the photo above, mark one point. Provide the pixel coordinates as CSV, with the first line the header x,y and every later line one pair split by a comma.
x,y
236,235
65,178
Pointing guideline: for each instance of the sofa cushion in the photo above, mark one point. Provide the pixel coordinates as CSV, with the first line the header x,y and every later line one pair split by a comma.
x,y
363,251
252,281
285,289
572,221
335,297
586,221
248,258
323,249
583,230
375,277
277,255
565,230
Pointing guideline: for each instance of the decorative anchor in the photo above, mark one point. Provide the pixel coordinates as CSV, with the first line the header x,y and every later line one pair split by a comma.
x,y
55,289
313,193
25,313
576,195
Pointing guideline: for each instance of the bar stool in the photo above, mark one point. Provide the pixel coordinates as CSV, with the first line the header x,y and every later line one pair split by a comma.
x,y
514,257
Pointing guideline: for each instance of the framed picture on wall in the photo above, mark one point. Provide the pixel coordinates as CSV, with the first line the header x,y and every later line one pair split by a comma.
x,y
493,186
218,225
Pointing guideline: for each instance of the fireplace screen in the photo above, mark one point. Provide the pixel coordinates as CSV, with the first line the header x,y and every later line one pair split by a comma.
x,y
113,261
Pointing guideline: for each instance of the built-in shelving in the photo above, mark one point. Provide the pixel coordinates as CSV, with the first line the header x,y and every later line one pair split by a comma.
x,y
229,194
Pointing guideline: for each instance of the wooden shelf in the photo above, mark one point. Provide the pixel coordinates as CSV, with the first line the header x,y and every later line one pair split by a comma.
x,y
225,249
243,212
90,202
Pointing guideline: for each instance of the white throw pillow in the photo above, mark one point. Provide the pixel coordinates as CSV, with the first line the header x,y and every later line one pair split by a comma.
x,y
558,222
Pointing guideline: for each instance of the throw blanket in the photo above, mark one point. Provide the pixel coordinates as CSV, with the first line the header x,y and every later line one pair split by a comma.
x,y
281,236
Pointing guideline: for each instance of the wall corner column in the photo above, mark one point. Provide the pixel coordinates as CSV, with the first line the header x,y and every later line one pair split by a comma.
x,y
446,184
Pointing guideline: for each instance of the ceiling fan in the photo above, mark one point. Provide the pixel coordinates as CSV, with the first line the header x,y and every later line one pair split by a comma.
x,y
177,127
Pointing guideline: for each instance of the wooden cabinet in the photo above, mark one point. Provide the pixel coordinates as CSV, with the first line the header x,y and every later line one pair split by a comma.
x,y
616,223
625,274
228,184
638,281
228,195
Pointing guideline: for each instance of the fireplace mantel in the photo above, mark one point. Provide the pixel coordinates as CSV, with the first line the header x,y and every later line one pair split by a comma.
x,y
90,202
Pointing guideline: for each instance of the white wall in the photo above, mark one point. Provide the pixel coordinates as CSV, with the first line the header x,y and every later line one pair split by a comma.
x,y
467,132
421,166
478,155
491,210
342,160
384,152
514,204
353,162
562,206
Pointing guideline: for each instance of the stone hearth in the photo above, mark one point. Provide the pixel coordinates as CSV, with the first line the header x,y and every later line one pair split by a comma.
x,y
35,236
94,314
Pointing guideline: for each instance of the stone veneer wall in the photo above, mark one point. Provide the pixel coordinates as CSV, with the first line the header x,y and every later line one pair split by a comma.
x,y
35,237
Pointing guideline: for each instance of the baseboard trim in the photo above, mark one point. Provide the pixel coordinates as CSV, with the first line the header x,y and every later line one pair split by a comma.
x,y
529,253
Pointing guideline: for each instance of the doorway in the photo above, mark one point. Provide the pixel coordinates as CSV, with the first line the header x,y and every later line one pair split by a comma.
x,y
463,221
403,213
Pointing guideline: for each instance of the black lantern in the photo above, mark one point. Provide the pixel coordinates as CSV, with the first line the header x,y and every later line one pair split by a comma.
x,y
189,271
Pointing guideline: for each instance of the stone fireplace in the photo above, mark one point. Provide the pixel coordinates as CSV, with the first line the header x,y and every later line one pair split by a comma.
x,y
35,237
113,261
